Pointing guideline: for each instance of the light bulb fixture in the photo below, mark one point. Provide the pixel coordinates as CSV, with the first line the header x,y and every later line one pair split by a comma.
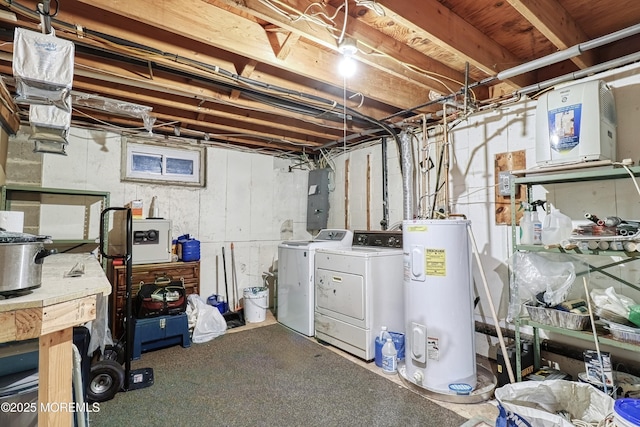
x,y
206,137
348,48
176,130
347,66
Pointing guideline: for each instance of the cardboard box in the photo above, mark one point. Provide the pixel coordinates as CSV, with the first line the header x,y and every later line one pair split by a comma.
x,y
136,207
593,369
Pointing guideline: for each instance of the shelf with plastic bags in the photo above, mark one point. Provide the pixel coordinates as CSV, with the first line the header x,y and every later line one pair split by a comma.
x,y
600,253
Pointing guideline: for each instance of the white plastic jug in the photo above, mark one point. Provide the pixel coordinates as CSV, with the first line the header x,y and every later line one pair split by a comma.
x,y
556,228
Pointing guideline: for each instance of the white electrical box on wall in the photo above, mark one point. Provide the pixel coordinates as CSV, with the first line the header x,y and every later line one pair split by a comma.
x,y
576,123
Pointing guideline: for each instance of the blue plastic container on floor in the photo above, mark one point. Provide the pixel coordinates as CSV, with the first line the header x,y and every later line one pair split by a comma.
x,y
222,306
627,412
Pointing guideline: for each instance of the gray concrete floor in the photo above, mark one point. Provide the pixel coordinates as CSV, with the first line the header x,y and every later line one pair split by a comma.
x,y
476,411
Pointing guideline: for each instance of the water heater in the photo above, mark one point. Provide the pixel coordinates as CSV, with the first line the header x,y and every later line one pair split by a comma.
x,y
576,123
440,352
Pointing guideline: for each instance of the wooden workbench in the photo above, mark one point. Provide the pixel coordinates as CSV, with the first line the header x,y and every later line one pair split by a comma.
x,y
49,313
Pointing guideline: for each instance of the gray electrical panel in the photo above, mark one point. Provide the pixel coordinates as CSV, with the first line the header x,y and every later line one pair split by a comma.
x,y
318,199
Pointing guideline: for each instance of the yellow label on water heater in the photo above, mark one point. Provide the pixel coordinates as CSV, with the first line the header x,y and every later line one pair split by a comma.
x,y
436,263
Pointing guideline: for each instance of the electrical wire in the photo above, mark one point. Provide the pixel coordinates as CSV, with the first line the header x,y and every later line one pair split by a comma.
x,y
633,177
372,5
374,51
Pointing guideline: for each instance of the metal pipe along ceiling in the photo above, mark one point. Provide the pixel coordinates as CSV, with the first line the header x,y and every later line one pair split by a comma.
x,y
568,53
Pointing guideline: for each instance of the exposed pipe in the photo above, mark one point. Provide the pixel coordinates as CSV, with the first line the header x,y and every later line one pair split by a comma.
x,y
568,53
520,69
614,63
406,160
45,16
385,186
445,153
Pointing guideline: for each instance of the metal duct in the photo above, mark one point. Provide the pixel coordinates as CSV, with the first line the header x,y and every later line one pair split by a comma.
x,y
406,158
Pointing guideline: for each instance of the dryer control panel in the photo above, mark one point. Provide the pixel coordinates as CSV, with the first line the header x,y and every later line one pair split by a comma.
x,y
378,238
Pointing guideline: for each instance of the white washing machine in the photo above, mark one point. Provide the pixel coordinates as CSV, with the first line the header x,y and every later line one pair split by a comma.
x,y
359,290
296,269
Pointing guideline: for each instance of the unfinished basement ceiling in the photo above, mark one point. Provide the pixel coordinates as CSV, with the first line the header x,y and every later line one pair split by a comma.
x,y
262,74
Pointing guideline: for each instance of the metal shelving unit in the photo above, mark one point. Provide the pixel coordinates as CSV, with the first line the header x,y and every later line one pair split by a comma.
x,y
593,174
25,195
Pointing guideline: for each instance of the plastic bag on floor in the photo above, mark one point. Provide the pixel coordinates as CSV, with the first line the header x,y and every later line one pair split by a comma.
x,y
206,320
551,403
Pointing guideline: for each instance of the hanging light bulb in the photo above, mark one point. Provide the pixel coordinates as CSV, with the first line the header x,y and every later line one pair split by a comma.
x,y
348,48
347,66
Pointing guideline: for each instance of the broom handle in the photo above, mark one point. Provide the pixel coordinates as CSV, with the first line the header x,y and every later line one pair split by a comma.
x,y
595,335
226,287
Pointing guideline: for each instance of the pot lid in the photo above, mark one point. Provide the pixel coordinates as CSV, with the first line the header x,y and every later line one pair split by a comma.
x,y
14,237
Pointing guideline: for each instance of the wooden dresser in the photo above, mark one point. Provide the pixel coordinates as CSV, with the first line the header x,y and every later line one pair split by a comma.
x,y
146,273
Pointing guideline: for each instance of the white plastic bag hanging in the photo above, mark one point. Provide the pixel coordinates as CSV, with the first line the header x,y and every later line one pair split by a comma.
x,y
42,67
207,321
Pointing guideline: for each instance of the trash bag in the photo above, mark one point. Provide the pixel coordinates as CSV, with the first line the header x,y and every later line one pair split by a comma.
x,y
551,403
206,320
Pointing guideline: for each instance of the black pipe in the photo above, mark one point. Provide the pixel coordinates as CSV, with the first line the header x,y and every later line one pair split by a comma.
x,y
309,110
553,347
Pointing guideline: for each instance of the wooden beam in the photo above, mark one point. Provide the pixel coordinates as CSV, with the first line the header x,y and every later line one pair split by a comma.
x,y
8,111
157,38
281,40
55,361
266,133
555,23
64,315
130,84
232,33
246,71
378,50
452,33
244,140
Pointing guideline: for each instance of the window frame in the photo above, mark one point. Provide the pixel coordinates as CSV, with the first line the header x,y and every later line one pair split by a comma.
x,y
191,153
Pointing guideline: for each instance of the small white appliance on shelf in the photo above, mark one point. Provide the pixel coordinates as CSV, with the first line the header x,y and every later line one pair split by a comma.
x,y
576,123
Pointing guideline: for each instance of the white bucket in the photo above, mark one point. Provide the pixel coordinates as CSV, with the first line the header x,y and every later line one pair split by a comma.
x,y
256,302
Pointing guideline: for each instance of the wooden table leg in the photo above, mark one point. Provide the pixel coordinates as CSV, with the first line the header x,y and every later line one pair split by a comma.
x,y
55,398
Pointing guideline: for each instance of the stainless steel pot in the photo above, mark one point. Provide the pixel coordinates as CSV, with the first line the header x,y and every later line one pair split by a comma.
x,y
21,257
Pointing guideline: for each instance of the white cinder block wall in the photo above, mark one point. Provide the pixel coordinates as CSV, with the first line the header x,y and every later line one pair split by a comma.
x,y
252,200
475,144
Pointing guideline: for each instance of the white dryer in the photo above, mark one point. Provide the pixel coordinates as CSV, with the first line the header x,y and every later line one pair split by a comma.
x,y
296,268
359,290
